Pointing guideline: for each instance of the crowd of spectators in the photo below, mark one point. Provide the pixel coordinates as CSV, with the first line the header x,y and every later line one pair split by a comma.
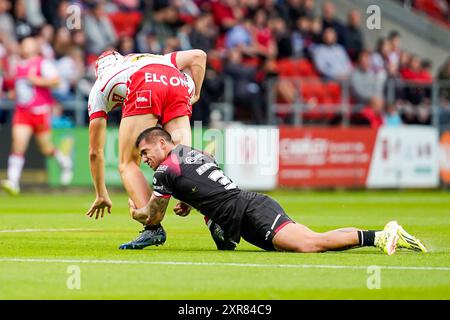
x,y
245,41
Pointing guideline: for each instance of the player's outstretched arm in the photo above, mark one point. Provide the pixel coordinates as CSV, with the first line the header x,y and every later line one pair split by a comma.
x,y
154,210
195,61
97,137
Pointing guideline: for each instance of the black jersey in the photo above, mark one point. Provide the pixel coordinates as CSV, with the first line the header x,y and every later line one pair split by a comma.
x,y
194,177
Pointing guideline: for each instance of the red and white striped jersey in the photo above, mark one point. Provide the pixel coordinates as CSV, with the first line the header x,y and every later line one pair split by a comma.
x,y
109,90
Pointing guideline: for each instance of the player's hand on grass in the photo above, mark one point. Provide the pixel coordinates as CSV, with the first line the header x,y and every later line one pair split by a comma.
x,y
182,209
98,207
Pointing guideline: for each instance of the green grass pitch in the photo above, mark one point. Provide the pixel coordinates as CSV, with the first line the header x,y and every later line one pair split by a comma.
x,y
37,250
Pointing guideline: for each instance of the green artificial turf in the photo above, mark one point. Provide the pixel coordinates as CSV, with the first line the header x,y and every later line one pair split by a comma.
x,y
38,264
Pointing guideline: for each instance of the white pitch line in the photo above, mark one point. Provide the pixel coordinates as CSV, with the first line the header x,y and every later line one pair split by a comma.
x,y
43,230
219,264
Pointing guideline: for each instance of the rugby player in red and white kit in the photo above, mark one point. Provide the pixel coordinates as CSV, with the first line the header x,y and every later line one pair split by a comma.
x,y
34,78
151,89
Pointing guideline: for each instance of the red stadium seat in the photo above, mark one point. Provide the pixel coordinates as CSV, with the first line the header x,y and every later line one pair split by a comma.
x,y
301,68
306,69
333,91
432,9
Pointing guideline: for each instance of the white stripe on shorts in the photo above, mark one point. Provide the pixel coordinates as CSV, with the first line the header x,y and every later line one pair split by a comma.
x,y
276,219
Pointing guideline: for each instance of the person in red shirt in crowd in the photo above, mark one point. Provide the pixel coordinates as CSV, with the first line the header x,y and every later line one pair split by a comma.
x,y
425,74
417,71
226,13
373,112
418,78
263,36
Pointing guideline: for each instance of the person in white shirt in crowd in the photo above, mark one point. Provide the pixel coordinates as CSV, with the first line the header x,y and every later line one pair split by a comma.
x,y
365,82
330,58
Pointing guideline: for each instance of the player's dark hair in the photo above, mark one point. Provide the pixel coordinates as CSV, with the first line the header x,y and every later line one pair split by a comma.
x,y
151,133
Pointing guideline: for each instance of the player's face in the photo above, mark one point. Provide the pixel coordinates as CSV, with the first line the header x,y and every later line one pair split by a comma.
x,y
153,153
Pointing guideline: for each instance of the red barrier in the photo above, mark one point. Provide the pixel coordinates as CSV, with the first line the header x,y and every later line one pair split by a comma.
x,y
325,157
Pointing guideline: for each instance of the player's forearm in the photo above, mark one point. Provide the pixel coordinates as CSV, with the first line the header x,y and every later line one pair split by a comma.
x,y
45,83
155,210
198,69
195,61
96,162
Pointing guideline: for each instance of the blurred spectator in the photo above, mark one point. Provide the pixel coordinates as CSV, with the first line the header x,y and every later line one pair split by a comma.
x,y
126,45
354,43
62,41
283,39
45,38
78,38
444,77
330,58
240,36
330,21
316,30
127,5
250,7
308,8
212,91
365,82
416,77
147,42
373,112
99,31
187,9
7,26
71,70
263,37
405,60
394,55
51,11
159,26
392,116
380,58
34,13
204,33
425,74
246,91
292,10
226,13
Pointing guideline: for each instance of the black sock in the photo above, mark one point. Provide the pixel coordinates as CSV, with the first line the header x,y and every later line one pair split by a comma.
x,y
366,238
150,227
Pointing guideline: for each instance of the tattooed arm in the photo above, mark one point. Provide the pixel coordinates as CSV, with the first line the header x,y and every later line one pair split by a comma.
x,y
154,210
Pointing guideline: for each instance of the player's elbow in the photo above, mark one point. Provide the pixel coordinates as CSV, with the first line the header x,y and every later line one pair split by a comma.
x,y
199,55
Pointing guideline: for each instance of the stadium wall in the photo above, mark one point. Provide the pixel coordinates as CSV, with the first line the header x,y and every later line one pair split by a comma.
x,y
266,157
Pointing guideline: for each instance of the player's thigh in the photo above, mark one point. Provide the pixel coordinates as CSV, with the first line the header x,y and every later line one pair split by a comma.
x,y
294,237
129,130
21,134
180,130
262,220
44,142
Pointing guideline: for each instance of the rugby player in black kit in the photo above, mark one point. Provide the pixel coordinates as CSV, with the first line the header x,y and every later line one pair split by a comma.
x,y
194,178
